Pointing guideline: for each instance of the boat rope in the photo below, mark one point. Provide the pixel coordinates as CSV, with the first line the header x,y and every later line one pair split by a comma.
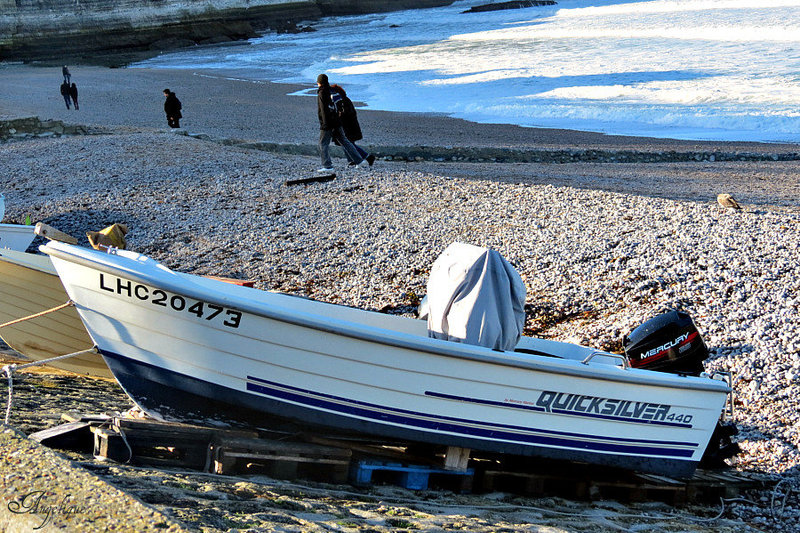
x,y
125,440
37,315
9,370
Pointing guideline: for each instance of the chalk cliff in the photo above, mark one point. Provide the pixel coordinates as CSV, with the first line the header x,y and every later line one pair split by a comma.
x,y
54,29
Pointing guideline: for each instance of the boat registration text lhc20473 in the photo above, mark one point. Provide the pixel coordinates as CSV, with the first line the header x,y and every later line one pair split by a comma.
x,y
175,302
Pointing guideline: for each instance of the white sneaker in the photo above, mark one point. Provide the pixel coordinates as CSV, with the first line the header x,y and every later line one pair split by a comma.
x,y
325,169
364,164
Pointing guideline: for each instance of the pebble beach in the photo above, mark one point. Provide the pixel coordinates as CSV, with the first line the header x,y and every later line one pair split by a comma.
x,y
601,247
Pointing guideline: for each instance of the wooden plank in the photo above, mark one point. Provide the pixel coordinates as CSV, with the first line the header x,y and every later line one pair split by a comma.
x,y
456,458
292,458
108,444
71,436
53,234
158,428
373,450
264,446
73,416
312,179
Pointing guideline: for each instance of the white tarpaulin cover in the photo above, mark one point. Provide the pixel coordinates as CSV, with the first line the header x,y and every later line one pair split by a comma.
x,y
476,297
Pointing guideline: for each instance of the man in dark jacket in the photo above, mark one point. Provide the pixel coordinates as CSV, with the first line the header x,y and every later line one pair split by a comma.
x,y
73,92
172,107
65,93
330,127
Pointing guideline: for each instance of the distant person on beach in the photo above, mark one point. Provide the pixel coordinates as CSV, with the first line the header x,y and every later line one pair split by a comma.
x,y
66,74
349,118
330,127
73,93
172,107
65,93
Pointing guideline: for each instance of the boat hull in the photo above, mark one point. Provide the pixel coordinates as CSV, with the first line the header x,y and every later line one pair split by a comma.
x,y
29,285
197,401
16,237
189,349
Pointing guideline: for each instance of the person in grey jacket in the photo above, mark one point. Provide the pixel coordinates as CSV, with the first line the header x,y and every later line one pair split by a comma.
x,y
330,128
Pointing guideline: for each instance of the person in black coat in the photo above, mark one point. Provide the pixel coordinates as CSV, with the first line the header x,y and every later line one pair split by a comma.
x,y
65,93
330,128
349,118
73,93
172,107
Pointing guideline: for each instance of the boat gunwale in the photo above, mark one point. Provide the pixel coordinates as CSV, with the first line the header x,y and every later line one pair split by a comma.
x,y
24,259
19,228
357,331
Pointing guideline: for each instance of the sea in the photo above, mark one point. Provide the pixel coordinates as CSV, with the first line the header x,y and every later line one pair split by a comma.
x,y
684,69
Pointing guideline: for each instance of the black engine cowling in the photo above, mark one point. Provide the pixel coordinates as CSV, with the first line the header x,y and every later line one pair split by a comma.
x,y
668,343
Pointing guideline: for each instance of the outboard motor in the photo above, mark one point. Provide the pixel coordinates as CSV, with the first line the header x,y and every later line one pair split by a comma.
x,y
668,343
671,343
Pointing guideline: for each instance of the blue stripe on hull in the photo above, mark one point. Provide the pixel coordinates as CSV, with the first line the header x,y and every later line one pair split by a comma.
x,y
560,411
179,397
476,428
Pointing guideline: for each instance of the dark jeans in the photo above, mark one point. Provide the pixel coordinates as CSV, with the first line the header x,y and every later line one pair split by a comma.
x,y
363,153
350,151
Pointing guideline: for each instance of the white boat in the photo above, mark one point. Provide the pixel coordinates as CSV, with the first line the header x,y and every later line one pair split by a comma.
x,y
193,349
16,236
29,285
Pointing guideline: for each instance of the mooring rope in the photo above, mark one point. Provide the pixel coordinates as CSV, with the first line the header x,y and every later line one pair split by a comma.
x,y
37,315
9,370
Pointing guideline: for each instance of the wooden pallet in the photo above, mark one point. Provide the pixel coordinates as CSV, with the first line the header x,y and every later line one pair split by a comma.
x,y
281,459
703,487
150,442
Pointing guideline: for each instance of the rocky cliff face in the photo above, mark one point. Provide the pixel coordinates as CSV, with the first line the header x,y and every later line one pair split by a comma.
x,y
54,29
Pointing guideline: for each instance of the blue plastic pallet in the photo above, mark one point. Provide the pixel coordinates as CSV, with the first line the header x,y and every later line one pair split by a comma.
x,y
409,477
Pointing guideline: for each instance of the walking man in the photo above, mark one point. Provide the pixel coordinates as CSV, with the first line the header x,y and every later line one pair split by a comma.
x,y
65,93
330,127
73,92
65,73
172,107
